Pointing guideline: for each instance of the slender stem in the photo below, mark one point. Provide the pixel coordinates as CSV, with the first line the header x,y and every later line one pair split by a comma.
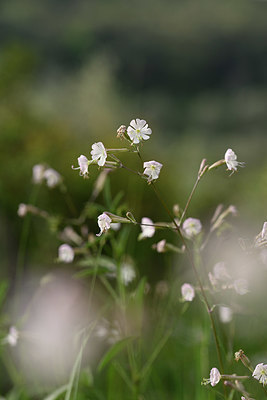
x,y
189,199
209,309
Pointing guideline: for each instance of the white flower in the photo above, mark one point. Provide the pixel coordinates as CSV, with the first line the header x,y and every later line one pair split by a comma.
x,y
231,160
138,130
12,336
22,210
241,286
127,273
215,376
264,231
188,292
161,246
260,373
65,253
225,314
83,165
152,170
52,177
38,173
104,222
99,153
192,227
147,227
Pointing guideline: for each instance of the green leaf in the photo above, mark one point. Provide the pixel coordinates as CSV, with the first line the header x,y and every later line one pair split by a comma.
x,y
113,351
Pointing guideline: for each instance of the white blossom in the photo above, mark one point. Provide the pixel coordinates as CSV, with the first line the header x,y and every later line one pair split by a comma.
x,y
83,165
241,286
99,153
65,253
225,314
104,222
231,160
215,376
192,227
138,130
22,210
260,373
38,173
188,292
52,177
152,170
127,273
161,246
220,272
147,228
12,337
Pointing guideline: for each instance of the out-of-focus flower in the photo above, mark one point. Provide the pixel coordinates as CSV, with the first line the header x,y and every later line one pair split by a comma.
x,y
241,286
65,253
127,273
38,173
83,165
22,210
161,246
12,337
138,130
188,292
99,153
231,160
104,222
260,373
147,228
220,272
264,231
225,314
152,170
192,227
52,177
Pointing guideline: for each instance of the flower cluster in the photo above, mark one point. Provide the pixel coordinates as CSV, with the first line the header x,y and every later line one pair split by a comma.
x,y
41,173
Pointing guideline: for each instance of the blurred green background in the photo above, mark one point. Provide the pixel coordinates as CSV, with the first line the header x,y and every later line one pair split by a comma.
x,y
72,72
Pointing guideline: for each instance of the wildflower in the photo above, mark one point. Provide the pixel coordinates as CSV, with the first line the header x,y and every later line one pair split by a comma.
x,y
215,377
152,170
83,166
241,286
225,314
22,210
161,246
115,226
52,177
127,273
12,337
188,292
138,130
99,153
65,253
104,222
192,227
264,231
38,173
147,227
231,160
260,373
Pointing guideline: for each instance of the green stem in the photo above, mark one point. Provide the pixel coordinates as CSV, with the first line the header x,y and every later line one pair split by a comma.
x,y
189,199
196,275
